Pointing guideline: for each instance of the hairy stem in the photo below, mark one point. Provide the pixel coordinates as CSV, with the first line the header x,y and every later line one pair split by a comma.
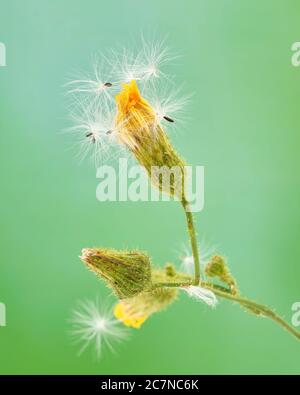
x,y
193,239
255,308
173,284
258,309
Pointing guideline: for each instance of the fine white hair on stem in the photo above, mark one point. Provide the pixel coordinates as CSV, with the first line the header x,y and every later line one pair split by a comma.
x,y
202,294
94,325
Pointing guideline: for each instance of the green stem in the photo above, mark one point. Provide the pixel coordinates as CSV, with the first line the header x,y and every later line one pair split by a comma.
x,y
193,239
175,284
259,309
256,308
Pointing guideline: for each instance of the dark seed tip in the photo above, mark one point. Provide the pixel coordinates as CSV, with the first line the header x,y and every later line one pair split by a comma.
x,y
168,119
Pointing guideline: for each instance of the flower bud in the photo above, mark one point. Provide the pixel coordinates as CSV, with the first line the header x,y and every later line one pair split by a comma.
x,y
142,134
127,272
217,267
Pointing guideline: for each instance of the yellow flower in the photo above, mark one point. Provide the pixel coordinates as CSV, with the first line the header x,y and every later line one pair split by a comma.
x,y
139,130
135,117
133,312
122,312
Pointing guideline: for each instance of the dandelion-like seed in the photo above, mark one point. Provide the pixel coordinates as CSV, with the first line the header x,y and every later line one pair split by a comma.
x,y
94,325
187,259
168,105
145,65
95,130
93,86
154,56
187,264
126,66
202,294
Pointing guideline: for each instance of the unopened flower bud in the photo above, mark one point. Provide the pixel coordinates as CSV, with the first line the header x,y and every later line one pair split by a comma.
x,y
127,272
218,268
170,270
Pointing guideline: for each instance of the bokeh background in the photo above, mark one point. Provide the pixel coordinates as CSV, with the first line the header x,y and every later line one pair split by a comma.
x,y
243,126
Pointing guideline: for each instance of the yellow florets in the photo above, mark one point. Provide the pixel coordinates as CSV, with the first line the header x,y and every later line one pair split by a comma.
x,y
134,320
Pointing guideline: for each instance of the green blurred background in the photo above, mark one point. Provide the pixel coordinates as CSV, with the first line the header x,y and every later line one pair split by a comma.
x,y
243,126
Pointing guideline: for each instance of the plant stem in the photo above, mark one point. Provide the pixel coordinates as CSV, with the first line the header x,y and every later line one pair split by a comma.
x,y
175,284
193,239
257,308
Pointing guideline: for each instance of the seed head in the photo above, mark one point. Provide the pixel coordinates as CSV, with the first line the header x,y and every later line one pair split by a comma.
x,y
146,139
94,325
